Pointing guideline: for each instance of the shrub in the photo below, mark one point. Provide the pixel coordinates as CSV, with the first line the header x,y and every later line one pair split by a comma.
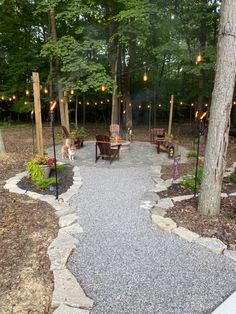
x,y
232,176
33,170
45,183
192,153
189,180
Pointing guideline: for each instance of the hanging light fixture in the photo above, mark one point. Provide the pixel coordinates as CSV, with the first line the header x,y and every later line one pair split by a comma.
x,y
45,90
103,88
72,92
14,97
27,92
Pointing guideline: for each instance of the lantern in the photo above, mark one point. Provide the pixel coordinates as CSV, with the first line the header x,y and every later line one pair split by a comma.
x,y
171,151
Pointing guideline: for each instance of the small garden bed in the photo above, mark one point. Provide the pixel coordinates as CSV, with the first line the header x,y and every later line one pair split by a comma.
x,y
65,180
222,226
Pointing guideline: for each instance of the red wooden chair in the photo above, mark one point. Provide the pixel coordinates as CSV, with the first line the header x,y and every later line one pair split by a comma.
x,y
103,148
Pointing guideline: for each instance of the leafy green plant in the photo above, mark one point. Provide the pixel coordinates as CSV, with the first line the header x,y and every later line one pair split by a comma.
x,y
232,176
33,166
45,183
58,166
79,132
189,180
33,170
192,153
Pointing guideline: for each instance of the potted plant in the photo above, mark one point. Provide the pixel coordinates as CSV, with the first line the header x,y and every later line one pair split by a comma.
x,y
39,167
80,134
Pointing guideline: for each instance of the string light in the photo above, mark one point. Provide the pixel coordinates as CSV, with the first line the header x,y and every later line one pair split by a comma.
x,y
192,105
45,90
145,77
72,92
206,105
103,88
27,92
14,97
140,106
130,105
148,106
159,105
199,58
25,102
2,97
80,103
10,99
101,102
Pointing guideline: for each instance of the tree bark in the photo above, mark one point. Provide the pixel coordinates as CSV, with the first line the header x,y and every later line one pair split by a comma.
x,y
217,141
2,146
115,111
53,35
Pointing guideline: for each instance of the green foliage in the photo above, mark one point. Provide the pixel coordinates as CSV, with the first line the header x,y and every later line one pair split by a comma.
x,y
5,125
45,183
34,170
189,180
232,176
192,153
58,166
79,132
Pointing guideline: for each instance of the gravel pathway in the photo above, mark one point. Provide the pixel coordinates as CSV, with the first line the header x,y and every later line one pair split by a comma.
x,y
126,264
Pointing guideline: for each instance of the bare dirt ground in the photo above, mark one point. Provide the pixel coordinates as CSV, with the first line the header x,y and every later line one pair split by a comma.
x,y
27,226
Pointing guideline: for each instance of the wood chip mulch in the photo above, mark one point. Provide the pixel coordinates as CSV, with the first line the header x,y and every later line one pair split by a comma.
x,y
185,213
27,227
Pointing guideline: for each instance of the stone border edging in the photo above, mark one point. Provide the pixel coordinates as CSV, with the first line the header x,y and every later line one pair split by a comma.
x,y
158,207
68,296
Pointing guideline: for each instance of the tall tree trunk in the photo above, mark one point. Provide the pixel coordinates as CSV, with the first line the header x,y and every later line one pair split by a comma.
x,y
115,107
217,141
53,35
2,146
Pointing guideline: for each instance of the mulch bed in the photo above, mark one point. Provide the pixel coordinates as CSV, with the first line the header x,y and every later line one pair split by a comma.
x,y
178,189
185,213
27,227
222,226
65,180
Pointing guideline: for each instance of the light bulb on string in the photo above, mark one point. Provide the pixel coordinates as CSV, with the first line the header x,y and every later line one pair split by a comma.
x,y
27,92
199,58
45,90
14,97
145,77
103,88
72,92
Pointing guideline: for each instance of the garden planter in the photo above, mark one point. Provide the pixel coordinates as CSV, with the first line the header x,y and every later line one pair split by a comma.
x,y
46,171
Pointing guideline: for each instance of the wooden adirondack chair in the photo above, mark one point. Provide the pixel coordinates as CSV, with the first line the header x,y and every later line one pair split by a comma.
x,y
103,148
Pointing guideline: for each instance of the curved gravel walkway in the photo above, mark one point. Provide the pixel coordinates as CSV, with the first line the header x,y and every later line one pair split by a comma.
x,y
125,263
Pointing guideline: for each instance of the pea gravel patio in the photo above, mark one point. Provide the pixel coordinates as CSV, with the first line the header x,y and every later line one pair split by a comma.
x,y
124,262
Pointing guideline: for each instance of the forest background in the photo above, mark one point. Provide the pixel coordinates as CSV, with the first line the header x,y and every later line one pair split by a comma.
x,y
114,61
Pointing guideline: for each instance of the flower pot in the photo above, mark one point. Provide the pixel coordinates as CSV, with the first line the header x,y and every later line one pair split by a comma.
x,y
46,171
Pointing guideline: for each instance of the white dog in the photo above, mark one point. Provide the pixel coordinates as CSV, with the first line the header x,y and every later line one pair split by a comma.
x,y
71,152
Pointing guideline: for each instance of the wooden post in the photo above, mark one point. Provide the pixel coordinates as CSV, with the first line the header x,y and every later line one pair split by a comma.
x,y
171,114
66,112
38,117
